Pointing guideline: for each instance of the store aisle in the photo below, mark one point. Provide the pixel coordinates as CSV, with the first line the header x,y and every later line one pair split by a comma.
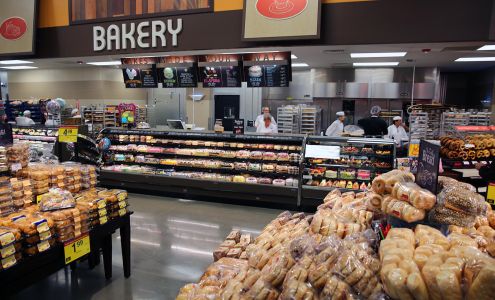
x,y
172,244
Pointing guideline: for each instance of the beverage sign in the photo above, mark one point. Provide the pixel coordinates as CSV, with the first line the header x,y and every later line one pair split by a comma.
x,y
428,163
238,126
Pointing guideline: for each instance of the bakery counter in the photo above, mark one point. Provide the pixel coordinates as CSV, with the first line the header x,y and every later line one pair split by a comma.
x,y
233,192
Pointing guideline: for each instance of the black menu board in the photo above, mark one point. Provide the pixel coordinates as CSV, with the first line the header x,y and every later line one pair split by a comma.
x,y
140,72
6,137
272,69
266,76
428,163
220,70
178,77
238,126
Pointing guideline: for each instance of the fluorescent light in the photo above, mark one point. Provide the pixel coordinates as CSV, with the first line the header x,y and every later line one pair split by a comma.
x,y
487,47
378,54
466,59
14,62
300,65
105,63
191,250
19,67
293,56
376,64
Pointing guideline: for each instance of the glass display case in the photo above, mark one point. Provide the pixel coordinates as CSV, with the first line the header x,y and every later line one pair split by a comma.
x,y
256,168
349,164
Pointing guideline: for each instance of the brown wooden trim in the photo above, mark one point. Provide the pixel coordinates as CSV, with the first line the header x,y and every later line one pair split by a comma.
x,y
101,8
133,7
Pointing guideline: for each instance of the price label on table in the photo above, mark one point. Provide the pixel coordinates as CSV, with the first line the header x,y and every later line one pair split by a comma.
x,y
413,150
77,248
67,134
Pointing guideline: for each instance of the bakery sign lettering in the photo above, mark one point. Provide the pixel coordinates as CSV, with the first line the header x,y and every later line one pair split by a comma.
x,y
142,35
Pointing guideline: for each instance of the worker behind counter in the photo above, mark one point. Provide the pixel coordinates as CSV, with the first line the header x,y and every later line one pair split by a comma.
x,y
337,127
267,126
25,119
374,126
398,132
259,120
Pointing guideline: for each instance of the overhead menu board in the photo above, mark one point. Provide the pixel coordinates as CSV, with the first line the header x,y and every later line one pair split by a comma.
x,y
178,71
271,69
140,72
222,70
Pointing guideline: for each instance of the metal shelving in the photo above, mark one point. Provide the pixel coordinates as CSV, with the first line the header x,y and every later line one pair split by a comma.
x,y
288,119
310,119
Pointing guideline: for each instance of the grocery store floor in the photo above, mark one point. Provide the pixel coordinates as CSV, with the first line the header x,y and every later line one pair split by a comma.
x,y
172,243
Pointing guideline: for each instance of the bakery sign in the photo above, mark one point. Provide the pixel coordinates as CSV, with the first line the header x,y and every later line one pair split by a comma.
x,y
137,35
17,23
281,19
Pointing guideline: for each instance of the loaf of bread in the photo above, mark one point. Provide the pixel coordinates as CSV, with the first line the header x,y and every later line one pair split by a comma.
x,y
384,183
402,210
442,215
414,194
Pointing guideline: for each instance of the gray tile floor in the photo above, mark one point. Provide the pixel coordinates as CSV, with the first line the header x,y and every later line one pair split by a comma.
x,y
172,243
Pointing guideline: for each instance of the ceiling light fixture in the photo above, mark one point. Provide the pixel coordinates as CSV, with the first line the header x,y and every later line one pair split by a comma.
x,y
475,59
105,63
376,64
487,48
300,65
19,68
378,54
14,62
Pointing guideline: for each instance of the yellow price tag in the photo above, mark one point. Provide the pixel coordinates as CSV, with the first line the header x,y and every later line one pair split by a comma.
x,y
490,193
38,199
77,248
67,134
413,150
103,220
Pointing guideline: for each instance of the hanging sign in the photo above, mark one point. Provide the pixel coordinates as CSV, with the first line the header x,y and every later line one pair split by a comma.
x,y
428,163
222,70
140,72
271,69
178,71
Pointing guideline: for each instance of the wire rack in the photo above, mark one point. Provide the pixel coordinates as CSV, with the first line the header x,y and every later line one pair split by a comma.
x,y
288,119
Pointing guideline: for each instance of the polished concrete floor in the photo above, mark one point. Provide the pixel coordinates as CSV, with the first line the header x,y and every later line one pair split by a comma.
x,y
172,243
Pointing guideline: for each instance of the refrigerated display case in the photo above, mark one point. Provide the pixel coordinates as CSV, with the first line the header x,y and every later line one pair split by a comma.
x,y
349,164
250,168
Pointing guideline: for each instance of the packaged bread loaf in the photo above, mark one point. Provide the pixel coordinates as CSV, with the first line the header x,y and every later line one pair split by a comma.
x,y
384,183
462,200
402,210
414,194
442,215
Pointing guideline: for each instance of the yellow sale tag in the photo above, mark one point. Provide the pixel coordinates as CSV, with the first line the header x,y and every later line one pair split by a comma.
x,y
67,134
38,199
490,193
413,150
77,248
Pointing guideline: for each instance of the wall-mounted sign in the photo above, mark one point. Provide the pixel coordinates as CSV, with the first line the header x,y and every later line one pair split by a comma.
x,y
17,24
281,19
267,69
140,72
178,71
142,35
220,70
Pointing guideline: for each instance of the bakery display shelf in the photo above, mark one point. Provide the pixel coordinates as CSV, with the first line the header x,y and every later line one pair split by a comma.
x,y
321,177
35,138
203,189
370,168
235,159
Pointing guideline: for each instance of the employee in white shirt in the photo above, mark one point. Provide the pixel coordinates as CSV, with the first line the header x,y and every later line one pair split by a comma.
x,y
397,132
337,127
259,120
267,126
25,120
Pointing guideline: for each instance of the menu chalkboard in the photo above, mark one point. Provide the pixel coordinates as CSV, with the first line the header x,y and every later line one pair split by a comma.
x,y
6,137
178,77
220,76
238,126
428,163
266,76
140,77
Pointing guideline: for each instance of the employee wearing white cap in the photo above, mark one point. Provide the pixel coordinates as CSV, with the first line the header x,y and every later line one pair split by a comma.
x,y
337,127
397,131
25,119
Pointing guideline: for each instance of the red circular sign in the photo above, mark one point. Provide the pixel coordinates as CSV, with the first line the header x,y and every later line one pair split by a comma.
x,y
13,28
281,9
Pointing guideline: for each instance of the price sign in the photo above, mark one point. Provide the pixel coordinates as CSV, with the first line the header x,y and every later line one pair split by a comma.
x,y
67,134
490,193
38,199
77,248
413,150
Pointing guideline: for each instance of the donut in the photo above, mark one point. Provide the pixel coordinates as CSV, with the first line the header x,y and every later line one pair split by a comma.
x,y
463,155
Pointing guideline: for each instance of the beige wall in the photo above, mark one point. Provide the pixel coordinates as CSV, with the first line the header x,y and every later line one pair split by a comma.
x,y
86,84
202,109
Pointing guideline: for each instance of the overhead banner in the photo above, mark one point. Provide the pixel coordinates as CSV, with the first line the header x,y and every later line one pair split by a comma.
x,y
220,70
281,19
178,71
271,69
17,24
140,72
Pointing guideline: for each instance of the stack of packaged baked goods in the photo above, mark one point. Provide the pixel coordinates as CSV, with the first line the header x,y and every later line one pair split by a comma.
x,y
18,158
59,205
94,206
37,229
6,201
116,206
57,176
88,176
400,197
424,264
4,162
10,247
234,246
20,200
40,178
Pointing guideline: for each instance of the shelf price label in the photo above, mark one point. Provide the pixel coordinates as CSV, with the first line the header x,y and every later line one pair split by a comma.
x,y
413,150
67,134
77,248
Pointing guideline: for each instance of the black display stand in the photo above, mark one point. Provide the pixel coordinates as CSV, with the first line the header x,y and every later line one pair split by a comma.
x,y
33,269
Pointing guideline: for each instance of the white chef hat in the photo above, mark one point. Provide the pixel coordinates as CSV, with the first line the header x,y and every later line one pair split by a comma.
x,y
397,118
340,114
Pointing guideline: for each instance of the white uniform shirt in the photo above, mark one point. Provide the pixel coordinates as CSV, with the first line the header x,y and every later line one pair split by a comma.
x,y
398,134
259,121
24,121
336,129
272,128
